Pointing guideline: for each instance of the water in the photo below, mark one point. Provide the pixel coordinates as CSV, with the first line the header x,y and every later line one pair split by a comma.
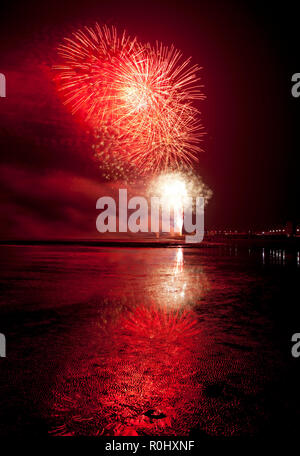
x,y
148,341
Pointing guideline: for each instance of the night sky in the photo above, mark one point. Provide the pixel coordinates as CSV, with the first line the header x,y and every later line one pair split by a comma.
x,y
49,180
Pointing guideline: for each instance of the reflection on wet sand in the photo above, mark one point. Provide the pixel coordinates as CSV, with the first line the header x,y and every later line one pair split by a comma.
x,y
145,341
152,357
182,286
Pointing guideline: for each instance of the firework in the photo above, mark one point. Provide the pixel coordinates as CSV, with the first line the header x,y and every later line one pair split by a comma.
x,y
144,92
173,189
105,143
177,185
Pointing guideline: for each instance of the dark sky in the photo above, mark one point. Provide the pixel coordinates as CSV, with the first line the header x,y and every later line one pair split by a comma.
x,y
49,181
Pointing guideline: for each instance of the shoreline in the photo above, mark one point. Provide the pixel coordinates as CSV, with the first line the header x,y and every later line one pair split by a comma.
x,y
254,242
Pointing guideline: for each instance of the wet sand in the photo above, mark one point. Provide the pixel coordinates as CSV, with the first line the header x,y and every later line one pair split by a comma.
x,y
145,341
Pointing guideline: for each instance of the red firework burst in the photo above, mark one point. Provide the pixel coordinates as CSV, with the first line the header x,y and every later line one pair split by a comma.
x,y
144,92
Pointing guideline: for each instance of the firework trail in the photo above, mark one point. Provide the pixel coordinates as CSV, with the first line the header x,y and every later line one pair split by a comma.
x,y
144,93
